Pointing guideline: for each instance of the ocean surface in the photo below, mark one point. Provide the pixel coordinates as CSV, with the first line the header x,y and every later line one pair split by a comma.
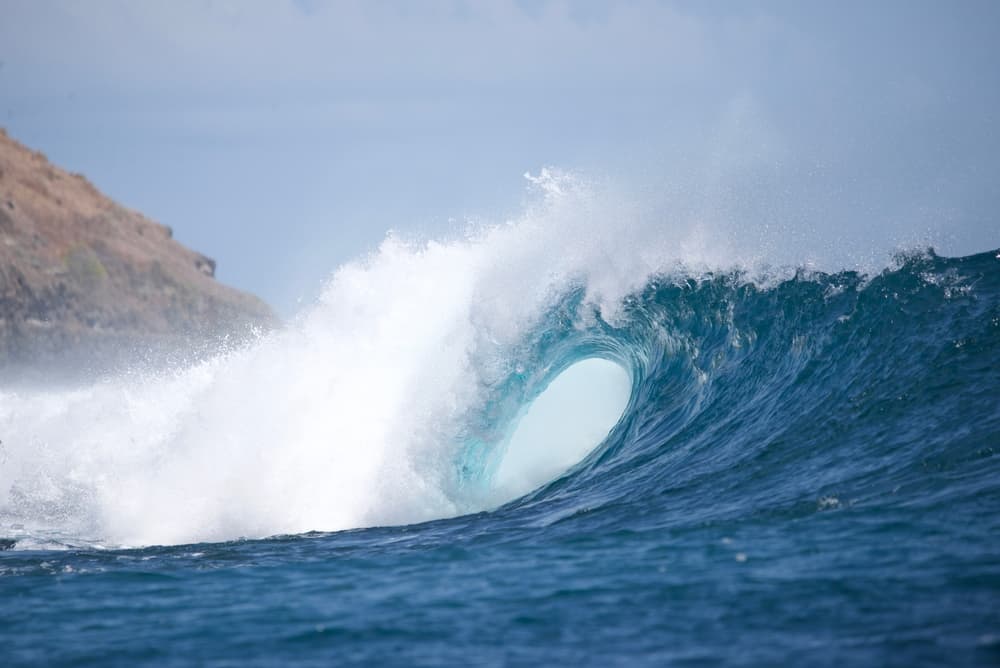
x,y
754,468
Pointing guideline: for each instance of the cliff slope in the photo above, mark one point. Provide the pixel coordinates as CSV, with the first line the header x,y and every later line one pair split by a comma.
x,y
81,275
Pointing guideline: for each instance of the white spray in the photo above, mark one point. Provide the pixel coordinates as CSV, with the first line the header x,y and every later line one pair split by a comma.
x,y
344,418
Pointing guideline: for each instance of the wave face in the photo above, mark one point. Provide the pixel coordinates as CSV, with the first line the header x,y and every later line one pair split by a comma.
x,y
802,456
817,392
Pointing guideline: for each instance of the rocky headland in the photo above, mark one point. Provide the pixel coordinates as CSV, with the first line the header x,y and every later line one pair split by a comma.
x,y
86,281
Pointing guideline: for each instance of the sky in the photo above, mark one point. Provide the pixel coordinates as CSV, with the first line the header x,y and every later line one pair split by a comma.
x,y
285,137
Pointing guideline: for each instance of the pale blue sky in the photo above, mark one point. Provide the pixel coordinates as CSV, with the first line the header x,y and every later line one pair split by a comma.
x,y
285,137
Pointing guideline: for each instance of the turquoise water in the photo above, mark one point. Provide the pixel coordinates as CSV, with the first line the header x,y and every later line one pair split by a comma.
x,y
806,473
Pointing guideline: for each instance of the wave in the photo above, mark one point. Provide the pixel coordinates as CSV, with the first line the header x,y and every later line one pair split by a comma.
x,y
398,397
817,391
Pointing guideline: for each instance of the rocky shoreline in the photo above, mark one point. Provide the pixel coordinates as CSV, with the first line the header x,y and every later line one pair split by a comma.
x,y
86,282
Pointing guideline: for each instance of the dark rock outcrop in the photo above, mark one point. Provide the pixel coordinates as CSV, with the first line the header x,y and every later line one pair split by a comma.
x,y
83,277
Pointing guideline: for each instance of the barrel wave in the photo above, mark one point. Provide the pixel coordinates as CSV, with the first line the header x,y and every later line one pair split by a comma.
x,y
797,466
816,392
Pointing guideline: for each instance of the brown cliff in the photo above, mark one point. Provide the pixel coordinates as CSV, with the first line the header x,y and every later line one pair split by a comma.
x,y
83,276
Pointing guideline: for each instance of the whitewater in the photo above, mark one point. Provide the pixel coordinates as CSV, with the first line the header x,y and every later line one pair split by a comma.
x,y
352,416
596,433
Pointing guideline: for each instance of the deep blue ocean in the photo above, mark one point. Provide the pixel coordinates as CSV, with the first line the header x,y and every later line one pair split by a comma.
x,y
807,472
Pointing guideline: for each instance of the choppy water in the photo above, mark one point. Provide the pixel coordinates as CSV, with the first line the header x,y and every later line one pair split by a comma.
x,y
805,473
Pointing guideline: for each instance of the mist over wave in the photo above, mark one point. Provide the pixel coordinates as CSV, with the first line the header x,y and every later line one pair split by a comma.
x,y
391,400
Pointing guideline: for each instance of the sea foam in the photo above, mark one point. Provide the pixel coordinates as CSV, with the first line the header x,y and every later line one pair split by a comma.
x,y
350,416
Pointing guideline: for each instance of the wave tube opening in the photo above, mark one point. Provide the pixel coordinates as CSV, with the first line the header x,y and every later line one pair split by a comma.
x,y
566,422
